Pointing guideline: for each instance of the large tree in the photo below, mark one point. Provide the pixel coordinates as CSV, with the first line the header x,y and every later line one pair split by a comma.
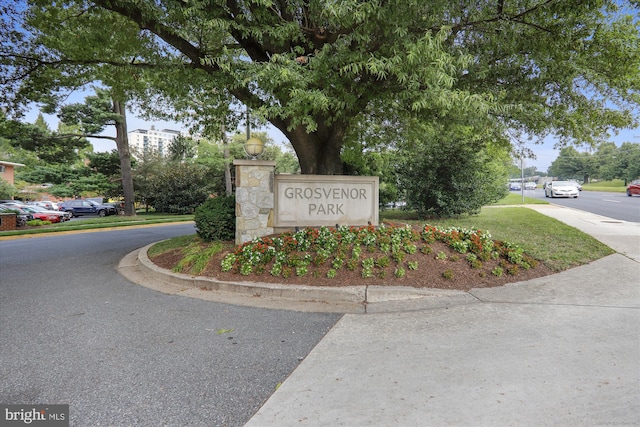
x,y
313,68
571,163
91,117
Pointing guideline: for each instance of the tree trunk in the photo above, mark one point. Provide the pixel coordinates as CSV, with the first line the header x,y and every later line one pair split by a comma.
x,y
318,152
122,143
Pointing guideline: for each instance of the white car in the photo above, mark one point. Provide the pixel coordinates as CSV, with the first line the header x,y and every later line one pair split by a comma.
x,y
576,183
561,189
530,185
47,205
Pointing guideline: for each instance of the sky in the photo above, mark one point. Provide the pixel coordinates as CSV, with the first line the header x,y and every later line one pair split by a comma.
x,y
545,153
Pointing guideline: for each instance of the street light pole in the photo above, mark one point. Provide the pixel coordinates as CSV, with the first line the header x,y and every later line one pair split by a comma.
x,y
522,177
248,124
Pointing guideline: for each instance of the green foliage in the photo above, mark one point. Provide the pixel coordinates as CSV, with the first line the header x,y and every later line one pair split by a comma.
x,y
296,250
44,145
107,164
91,116
361,159
196,257
454,170
179,188
216,219
572,164
182,148
37,223
608,162
399,272
55,174
7,191
313,69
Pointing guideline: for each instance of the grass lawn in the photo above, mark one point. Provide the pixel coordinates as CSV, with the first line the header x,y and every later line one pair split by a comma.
x,y
617,186
558,245
516,199
88,223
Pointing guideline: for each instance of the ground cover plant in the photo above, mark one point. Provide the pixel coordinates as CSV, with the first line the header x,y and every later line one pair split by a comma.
x,y
451,255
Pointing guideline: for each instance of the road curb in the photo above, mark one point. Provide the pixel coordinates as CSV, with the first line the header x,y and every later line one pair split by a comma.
x,y
139,269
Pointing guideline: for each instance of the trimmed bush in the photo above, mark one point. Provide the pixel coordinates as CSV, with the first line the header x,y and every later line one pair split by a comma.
x,y
216,219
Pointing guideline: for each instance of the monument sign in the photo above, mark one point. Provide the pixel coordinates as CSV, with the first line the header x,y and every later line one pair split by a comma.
x,y
317,200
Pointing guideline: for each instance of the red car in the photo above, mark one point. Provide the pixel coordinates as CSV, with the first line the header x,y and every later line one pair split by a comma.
x,y
45,215
633,188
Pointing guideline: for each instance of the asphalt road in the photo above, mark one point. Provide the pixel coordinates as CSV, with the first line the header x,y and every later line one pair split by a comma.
x,y
74,331
613,205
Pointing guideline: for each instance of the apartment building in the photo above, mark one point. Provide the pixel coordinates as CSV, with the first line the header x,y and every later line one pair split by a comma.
x,y
143,141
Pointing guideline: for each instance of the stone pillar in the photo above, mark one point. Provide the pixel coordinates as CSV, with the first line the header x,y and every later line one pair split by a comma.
x,y
254,199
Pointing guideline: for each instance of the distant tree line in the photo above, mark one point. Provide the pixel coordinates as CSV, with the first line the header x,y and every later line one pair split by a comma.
x,y
607,162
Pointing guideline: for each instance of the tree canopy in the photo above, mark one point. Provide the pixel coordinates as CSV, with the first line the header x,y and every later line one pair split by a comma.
x,y
607,162
316,68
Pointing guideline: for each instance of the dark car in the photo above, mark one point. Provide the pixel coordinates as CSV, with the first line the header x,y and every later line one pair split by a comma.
x,y
633,188
86,207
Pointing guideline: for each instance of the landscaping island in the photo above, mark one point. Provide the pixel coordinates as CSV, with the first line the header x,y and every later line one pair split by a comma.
x,y
390,255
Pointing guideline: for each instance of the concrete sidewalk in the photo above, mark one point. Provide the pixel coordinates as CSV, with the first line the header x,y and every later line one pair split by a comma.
x,y
558,350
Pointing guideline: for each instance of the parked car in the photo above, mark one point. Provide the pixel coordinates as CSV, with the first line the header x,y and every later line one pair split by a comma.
x,y
633,188
112,210
515,186
39,212
21,217
530,185
53,217
47,204
561,189
86,207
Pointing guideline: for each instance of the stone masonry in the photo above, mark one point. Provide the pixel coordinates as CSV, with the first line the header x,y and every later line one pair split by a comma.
x,y
254,199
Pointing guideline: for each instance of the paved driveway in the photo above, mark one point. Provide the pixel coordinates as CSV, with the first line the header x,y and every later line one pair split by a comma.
x,y
74,331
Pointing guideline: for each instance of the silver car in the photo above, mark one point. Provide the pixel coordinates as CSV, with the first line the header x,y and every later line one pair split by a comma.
x,y
561,189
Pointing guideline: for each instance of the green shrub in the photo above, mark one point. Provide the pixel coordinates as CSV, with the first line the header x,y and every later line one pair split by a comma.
x,y
457,170
448,274
179,189
37,223
216,219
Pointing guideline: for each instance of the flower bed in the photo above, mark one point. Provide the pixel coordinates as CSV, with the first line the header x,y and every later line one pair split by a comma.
x,y
376,252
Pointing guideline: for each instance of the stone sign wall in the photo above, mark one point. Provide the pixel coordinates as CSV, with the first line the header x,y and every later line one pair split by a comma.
x,y
317,200
254,199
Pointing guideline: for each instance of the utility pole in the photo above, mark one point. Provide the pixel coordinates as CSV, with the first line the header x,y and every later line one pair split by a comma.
x,y
522,176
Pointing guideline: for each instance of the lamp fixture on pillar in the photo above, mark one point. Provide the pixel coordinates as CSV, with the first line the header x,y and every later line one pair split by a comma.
x,y
254,148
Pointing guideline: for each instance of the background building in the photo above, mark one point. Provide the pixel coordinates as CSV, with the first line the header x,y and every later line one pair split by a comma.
x,y
143,141
6,170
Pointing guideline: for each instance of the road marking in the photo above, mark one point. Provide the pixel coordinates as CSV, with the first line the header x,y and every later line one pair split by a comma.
x,y
612,201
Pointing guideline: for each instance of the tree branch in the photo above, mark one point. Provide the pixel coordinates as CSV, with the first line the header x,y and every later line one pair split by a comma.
x,y
164,32
59,136
501,16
